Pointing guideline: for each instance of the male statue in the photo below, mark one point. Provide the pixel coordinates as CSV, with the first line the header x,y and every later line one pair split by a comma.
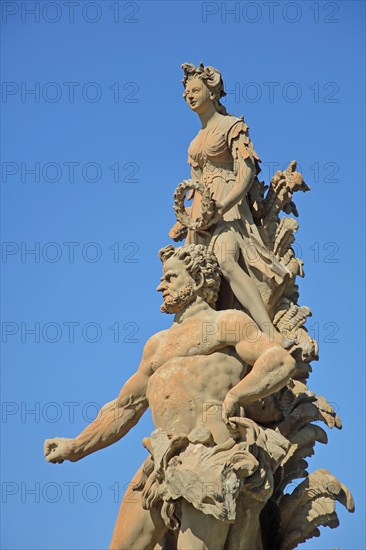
x,y
198,377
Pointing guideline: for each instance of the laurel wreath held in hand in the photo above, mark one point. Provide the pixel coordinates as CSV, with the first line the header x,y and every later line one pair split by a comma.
x,y
208,208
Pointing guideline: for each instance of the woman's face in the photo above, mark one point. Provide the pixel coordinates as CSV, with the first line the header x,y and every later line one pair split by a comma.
x,y
197,95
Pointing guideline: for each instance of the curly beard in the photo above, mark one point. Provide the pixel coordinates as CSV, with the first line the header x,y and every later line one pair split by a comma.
x,y
177,302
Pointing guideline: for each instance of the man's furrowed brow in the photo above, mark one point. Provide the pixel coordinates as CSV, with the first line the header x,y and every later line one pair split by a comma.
x,y
169,273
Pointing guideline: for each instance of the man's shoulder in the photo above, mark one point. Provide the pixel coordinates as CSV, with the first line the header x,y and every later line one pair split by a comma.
x,y
154,340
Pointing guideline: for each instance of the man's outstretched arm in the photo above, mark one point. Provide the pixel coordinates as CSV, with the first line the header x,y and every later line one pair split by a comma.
x,y
114,420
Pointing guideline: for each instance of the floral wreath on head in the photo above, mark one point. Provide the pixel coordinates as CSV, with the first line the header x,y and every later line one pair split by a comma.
x,y
212,79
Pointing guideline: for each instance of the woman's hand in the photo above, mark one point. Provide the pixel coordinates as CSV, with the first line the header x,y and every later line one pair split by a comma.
x,y
218,214
220,208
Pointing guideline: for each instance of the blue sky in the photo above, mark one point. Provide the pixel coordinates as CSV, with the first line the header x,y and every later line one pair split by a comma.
x,y
90,160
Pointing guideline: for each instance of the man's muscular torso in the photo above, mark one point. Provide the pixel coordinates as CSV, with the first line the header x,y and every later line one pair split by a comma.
x,y
193,369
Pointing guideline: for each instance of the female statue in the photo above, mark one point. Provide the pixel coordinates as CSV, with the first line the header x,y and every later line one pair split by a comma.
x,y
222,157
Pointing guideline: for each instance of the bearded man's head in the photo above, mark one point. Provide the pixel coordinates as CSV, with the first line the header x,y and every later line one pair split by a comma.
x,y
189,271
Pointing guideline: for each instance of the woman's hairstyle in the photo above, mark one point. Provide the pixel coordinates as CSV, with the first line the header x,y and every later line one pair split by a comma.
x,y
201,264
212,79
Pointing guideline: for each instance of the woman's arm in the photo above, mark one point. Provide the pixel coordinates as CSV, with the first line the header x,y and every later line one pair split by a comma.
x,y
196,174
242,184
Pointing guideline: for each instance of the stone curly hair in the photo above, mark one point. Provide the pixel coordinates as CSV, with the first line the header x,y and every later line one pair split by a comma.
x,y
212,79
201,264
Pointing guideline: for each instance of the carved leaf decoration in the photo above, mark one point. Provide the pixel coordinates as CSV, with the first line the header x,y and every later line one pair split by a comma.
x,y
308,435
290,519
312,504
298,418
290,317
294,469
327,413
178,232
279,197
284,236
303,371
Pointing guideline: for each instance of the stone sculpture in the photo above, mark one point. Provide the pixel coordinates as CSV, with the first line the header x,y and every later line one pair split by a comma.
x,y
226,383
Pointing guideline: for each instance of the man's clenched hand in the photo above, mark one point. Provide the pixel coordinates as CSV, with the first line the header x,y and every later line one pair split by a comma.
x,y
59,449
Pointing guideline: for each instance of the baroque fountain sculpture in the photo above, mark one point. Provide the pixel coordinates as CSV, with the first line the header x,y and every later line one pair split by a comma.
x,y
227,382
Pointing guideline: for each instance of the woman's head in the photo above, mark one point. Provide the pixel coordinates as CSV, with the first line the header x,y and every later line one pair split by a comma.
x,y
203,84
